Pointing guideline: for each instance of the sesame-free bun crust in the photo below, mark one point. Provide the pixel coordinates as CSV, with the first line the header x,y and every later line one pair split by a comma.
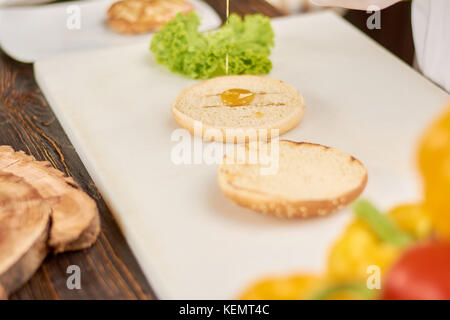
x,y
277,106
312,180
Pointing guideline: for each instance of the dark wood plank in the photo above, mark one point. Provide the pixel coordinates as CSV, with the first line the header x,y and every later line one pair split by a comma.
x,y
108,269
242,7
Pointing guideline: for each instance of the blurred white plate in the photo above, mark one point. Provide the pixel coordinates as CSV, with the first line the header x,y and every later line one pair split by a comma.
x,y
31,33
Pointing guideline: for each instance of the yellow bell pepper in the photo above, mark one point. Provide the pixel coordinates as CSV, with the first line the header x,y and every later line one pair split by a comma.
x,y
372,239
434,163
357,249
294,287
302,287
412,218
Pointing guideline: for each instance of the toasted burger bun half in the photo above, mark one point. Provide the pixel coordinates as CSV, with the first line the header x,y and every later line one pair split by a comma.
x,y
311,180
141,16
276,108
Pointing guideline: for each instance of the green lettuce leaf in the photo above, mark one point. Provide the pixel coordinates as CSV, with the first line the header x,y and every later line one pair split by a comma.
x,y
248,42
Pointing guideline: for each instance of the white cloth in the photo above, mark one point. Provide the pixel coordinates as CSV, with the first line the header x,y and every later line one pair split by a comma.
x,y
355,4
431,30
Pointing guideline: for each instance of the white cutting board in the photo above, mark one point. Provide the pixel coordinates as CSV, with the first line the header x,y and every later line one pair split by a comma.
x,y
30,33
189,239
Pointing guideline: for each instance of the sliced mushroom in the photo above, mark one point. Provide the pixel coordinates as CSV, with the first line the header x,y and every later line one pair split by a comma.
x,y
24,227
75,220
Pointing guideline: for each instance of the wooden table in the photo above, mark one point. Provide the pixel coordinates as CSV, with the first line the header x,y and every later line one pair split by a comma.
x,y
108,269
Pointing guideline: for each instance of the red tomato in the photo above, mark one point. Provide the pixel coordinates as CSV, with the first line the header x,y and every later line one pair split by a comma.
x,y
421,273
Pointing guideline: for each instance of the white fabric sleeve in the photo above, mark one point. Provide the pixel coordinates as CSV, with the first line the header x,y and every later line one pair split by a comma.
x,y
431,30
355,4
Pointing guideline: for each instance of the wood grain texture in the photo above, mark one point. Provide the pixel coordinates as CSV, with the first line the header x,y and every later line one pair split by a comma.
x,y
108,269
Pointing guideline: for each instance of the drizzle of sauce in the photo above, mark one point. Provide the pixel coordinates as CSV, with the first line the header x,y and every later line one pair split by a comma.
x,y
237,97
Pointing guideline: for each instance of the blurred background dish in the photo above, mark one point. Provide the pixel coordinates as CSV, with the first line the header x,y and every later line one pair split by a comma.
x,y
143,16
29,33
